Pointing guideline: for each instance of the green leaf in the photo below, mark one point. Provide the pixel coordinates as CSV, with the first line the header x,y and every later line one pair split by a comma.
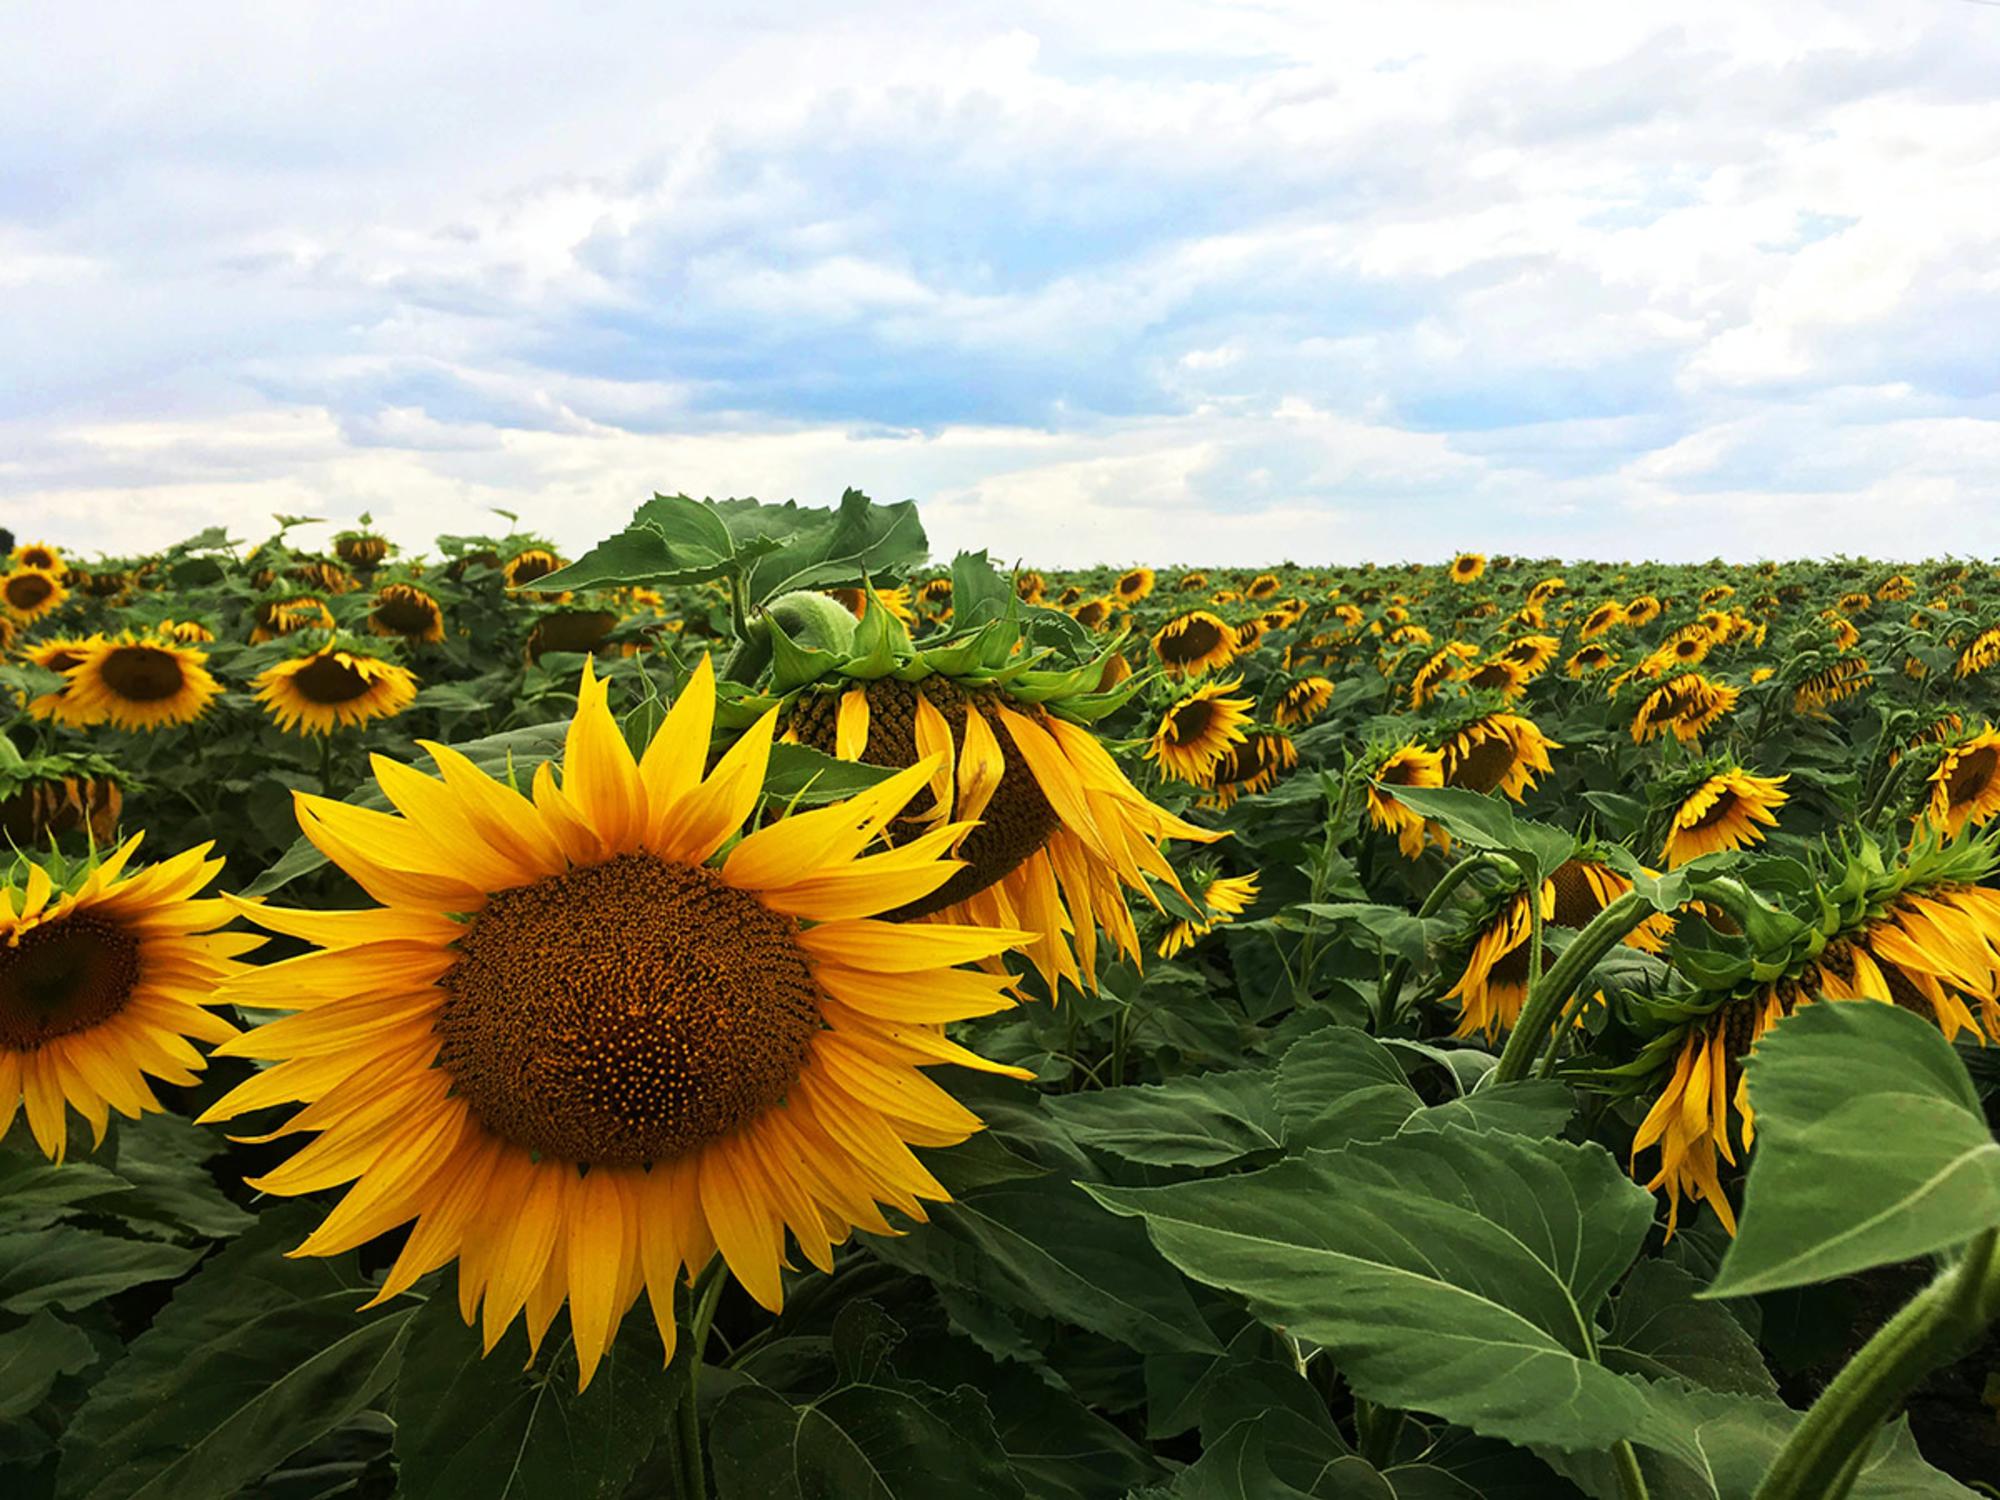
x,y
255,1358
1458,1273
1338,1085
799,773
67,1267
1201,1121
165,1158
1659,1330
488,1427
1488,822
831,549
1872,1148
35,1189
862,1442
979,595
1241,1466
671,540
1401,933
33,1356
1527,1106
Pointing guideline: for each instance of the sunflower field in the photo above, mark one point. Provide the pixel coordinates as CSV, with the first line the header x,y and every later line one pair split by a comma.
x,y
752,1012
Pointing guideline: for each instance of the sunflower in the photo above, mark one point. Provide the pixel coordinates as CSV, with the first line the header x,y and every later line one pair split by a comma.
x,y
1251,767
1198,730
1409,764
1071,594
1686,648
1532,653
361,549
1030,586
1601,619
406,612
103,983
1981,652
1588,660
896,601
332,689
1302,702
586,1055
318,573
1250,635
138,683
1845,636
529,565
1062,833
1494,986
1497,752
1723,812
1263,586
1134,585
1831,685
1195,580
1093,614
59,654
1499,675
1446,665
1196,642
281,617
1686,706
1642,611
1965,787
1467,567
187,632
934,598
29,593
1547,589
581,631
38,555
1224,900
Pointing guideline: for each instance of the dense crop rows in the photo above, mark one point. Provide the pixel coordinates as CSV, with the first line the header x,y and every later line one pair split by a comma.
x,y
834,1024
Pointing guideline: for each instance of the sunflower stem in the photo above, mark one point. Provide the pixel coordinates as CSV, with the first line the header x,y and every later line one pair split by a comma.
x,y
1545,997
1818,1461
1631,1482
706,1293
1392,982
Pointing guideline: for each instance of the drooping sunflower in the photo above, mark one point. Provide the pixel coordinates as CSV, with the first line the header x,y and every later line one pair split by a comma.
x,y
1831,685
1093,614
586,1054
1924,936
1497,752
1532,653
1723,812
138,683
529,565
1224,899
1642,611
1250,635
333,688
1198,730
29,593
1408,764
1263,586
361,549
1250,767
1195,580
1302,702
406,612
49,796
279,617
1499,675
1191,644
1133,585
1445,665
1467,567
1686,706
38,555
1965,787
1494,986
103,982
1585,661
582,631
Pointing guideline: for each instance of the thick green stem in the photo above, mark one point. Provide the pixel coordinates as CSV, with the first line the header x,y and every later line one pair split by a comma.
x,y
707,1292
1889,783
1631,1483
1818,1461
1376,1429
1391,987
1545,999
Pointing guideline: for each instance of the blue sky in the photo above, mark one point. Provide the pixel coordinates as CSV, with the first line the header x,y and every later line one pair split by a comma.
x,y
1128,282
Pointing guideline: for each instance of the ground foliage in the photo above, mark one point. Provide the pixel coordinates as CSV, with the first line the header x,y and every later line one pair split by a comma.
x,y
1270,1221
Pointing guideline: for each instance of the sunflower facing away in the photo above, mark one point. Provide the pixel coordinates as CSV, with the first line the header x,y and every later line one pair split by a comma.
x,y
530,564
1409,764
103,983
29,593
404,610
1723,812
1198,730
1251,767
138,683
1965,787
1467,567
1224,899
333,689
1197,642
585,1054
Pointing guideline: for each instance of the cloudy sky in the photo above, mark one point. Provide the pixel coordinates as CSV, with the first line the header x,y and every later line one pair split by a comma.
x,y
1218,282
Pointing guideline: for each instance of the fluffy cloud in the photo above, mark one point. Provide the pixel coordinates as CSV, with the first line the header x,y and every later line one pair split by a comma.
x,y
1180,281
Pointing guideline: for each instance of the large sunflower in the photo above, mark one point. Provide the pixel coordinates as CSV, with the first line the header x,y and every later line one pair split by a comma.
x,y
1409,764
585,1054
138,683
1965,787
104,983
1193,643
26,594
1723,812
1497,752
1198,730
406,611
333,689
38,555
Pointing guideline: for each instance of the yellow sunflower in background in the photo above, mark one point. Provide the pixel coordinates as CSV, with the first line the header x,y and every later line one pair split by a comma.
x,y
1600,620
529,565
1198,730
1723,813
1532,653
1071,594
586,1054
1832,685
406,612
1587,661
1250,767
29,593
1409,764
58,654
1507,678
1263,586
1965,787
1497,752
1467,567
138,683
1642,611
103,984
895,600
1249,636
1686,707
1302,702
1093,614
279,617
331,689
39,555
1029,587
934,598
1445,665
1191,644
1195,580
1133,585
1224,900
187,632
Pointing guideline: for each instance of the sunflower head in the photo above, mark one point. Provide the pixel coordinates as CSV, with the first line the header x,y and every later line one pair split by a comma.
x,y
1133,585
1407,764
406,612
1719,806
1093,614
1192,581
1302,702
1263,586
1197,730
1030,586
1586,661
1685,706
137,682
529,565
1193,643
337,685
1220,898
38,555
48,797
272,618
1965,786
361,549
1253,766
1642,611
1501,752
1467,567
27,594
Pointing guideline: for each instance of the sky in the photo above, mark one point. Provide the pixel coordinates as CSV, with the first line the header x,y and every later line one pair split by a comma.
x,y
1217,283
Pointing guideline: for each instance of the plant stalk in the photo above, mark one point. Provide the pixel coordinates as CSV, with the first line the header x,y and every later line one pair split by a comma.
x,y
702,1300
1391,986
1545,998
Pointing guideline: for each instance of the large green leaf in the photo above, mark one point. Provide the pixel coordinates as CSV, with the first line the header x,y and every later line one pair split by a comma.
x,y
834,549
1457,1272
165,1158
800,774
491,1428
1872,1148
34,1356
1245,1464
1659,1330
1339,1085
671,540
255,1358
1489,822
1201,1121
64,1266
864,1441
